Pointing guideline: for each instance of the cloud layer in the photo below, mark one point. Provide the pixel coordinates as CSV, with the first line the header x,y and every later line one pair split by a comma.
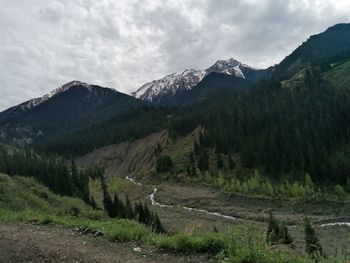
x,y
125,43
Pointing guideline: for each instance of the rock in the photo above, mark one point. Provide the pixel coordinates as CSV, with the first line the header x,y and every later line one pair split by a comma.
x,y
98,233
137,249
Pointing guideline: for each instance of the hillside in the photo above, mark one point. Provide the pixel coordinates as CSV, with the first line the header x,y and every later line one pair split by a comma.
x,y
73,106
231,169
265,128
330,45
133,159
187,87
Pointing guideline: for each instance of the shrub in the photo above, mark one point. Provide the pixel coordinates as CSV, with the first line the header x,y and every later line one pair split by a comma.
x,y
212,243
164,164
312,245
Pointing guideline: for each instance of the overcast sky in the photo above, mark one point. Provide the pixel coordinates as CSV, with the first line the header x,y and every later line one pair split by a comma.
x,y
125,43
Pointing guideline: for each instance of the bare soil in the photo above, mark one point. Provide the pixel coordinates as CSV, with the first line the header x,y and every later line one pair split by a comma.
x,y
24,243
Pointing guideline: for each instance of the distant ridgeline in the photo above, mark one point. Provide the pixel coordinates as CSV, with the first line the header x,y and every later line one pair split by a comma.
x,y
294,121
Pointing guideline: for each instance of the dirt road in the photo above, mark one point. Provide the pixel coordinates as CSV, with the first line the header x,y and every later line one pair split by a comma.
x,y
24,243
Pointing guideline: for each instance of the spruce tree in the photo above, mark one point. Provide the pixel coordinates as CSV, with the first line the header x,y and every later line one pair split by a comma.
x,y
116,206
312,244
147,215
231,162
196,148
277,233
121,209
158,227
108,204
93,203
219,162
129,211
284,237
272,230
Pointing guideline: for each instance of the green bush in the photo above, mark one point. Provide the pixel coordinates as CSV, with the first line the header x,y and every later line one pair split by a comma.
x,y
212,243
246,246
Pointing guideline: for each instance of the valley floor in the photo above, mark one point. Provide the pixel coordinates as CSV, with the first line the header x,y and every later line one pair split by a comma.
x,y
24,243
250,212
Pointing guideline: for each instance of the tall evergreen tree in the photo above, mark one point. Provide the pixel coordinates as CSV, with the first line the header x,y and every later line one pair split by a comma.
x,y
219,162
129,211
312,244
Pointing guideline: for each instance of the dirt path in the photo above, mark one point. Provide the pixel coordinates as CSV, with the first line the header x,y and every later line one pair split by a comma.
x,y
24,243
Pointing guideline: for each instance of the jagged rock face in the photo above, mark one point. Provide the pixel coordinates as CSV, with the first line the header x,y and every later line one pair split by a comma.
x,y
174,83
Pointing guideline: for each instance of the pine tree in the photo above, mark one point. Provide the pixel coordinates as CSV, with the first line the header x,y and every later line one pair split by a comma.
x,y
231,162
277,233
108,204
195,148
93,203
219,162
147,216
272,230
203,163
116,206
129,211
141,214
158,227
121,209
312,245
284,237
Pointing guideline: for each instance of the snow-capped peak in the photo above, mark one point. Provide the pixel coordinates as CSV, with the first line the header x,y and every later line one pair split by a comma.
x,y
171,84
229,67
35,102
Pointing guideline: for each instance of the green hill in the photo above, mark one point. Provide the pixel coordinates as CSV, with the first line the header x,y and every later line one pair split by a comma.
x,y
330,45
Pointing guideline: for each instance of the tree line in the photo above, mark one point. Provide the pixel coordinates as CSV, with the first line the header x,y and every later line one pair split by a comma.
x,y
117,208
54,173
284,131
277,233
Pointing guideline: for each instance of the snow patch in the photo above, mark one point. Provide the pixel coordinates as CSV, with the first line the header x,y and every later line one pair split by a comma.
x,y
37,101
171,84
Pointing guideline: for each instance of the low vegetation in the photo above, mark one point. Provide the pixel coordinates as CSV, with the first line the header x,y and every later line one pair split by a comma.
x,y
24,199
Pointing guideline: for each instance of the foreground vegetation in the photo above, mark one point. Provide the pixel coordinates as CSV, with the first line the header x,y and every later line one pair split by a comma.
x,y
23,199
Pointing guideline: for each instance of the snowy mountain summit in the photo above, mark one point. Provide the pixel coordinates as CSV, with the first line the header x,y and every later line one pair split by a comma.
x,y
36,101
171,84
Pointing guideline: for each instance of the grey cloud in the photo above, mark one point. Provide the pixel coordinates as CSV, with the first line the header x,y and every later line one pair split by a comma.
x,y
122,44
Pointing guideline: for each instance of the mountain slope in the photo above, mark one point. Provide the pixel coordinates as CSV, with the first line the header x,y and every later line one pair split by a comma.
x,y
73,106
214,86
171,85
285,129
332,44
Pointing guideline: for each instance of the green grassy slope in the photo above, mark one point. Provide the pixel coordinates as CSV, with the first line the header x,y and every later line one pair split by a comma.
x,y
23,199
25,194
339,75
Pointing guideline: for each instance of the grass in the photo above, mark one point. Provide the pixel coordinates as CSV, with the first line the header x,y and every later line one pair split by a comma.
x,y
230,247
115,185
115,229
339,76
25,200
211,243
295,82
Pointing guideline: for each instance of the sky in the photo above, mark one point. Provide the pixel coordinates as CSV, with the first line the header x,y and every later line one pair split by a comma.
x,y
123,44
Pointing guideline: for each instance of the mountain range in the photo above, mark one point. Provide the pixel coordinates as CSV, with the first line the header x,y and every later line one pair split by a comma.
x,y
73,106
77,105
158,91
